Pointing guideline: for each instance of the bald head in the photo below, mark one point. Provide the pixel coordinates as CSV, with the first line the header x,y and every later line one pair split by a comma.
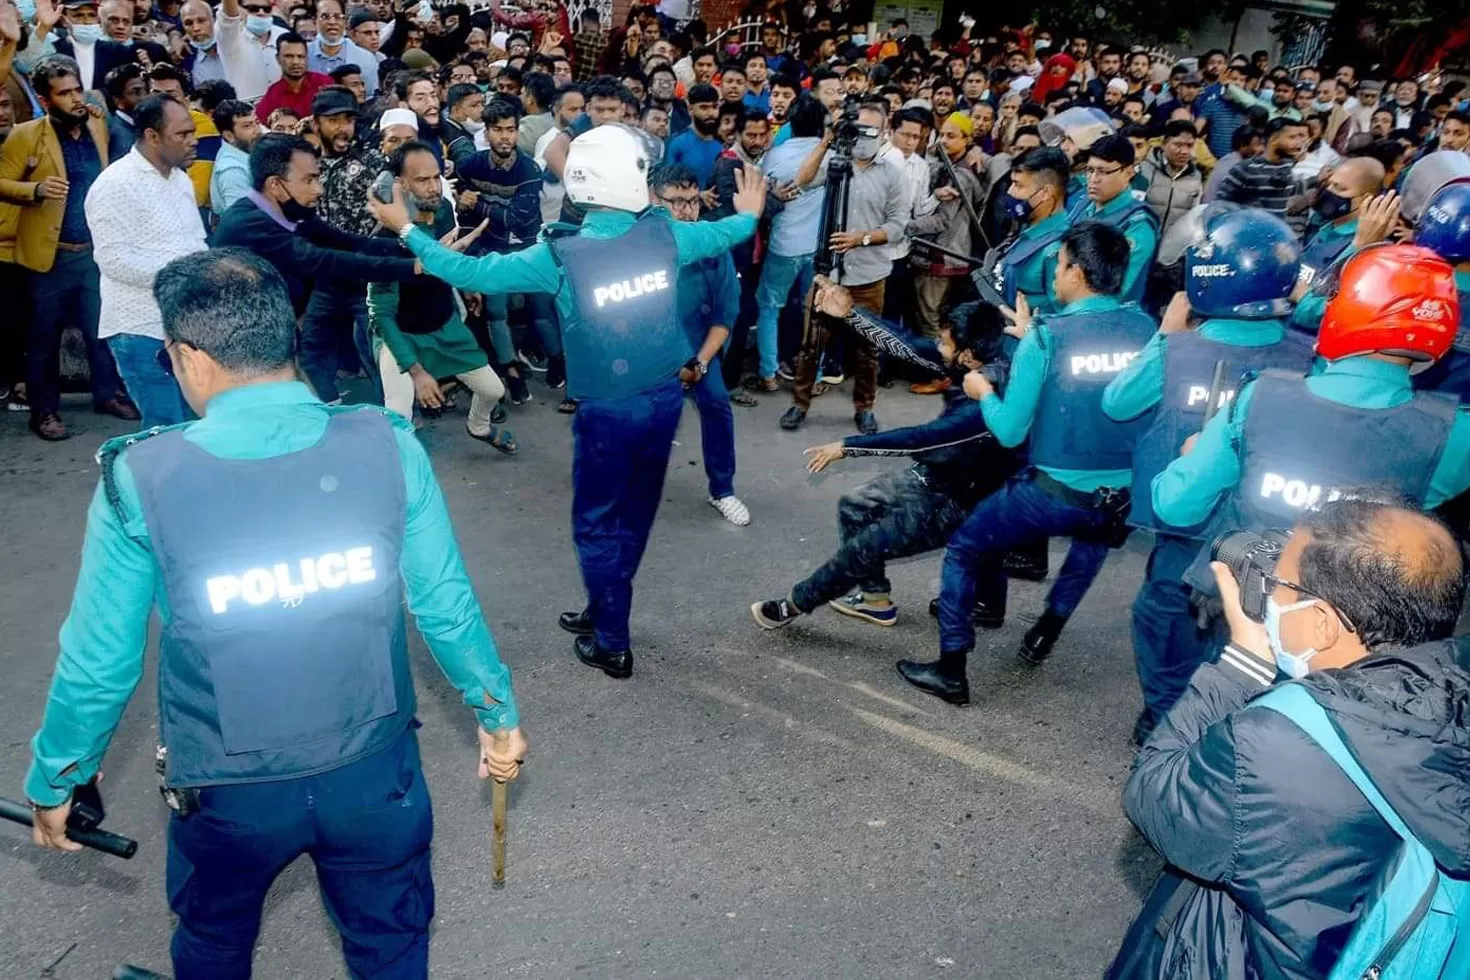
x,y
197,19
1395,573
1364,175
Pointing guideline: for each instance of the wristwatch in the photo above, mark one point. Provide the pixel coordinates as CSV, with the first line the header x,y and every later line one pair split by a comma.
x,y
867,239
697,366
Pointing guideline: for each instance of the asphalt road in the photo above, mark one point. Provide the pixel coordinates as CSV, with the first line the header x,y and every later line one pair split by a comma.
x,y
748,805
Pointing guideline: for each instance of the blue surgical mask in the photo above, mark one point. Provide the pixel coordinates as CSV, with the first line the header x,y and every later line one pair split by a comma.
x,y
1017,207
86,33
202,46
1293,665
259,26
27,10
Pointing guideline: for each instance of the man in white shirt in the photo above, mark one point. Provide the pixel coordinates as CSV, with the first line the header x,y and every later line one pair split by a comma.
x,y
910,134
247,40
211,53
142,215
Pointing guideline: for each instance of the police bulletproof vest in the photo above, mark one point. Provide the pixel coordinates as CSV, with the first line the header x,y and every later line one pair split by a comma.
x,y
1450,375
1299,451
1004,265
1323,250
284,652
1070,430
1189,368
624,336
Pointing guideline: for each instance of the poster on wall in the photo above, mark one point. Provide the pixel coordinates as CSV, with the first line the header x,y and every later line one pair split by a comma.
x,y
923,15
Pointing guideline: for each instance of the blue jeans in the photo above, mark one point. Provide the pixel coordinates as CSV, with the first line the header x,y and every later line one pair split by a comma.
x,y
542,316
333,313
1017,513
716,430
68,295
780,273
367,827
620,454
1167,643
151,388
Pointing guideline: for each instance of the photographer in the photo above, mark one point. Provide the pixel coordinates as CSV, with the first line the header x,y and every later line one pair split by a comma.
x,y
1273,853
874,217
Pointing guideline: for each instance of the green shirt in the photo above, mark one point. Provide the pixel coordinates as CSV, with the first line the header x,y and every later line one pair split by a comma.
x,y
1140,385
1188,490
1010,418
1143,241
105,635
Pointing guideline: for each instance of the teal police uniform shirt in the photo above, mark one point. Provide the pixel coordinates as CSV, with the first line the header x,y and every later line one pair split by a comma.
x,y
1037,276
1010,418
1187,492
1143,241
1309,309
535,270
1140,385
104,638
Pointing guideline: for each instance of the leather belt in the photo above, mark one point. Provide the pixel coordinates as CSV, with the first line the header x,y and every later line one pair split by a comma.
x,y
69,247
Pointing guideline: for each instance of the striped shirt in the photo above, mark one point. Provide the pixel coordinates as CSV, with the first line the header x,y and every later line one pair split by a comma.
x,y
1259,183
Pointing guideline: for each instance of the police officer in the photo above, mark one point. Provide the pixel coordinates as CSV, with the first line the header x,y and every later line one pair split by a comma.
x,y
615,287
1238,277
1110,200
1077,484
1287,442
1444,228
1353,212
280,536
1024,264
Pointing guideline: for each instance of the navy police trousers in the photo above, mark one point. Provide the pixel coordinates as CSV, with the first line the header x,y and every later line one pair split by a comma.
x,y
620,453
1167,643
367,828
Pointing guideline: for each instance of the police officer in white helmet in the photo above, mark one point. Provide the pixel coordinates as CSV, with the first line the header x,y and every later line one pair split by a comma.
x,y
628,357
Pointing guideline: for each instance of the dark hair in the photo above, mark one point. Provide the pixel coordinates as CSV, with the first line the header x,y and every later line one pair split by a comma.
x,y
604,87
1031,109
1244,135
1134,97
458,93
943,83
702,95
786,80
751,115
545,64
225,114
913,114
1211,53
1134,131
230,304
514,74
149,114
163,72
977,327
821,74
541,87
341,73
633,74
1101,252
272,156
117,80
1178,127
407,80
1390,601
403,150
290,37
652,107
1458,116
807,117
1435,101
1030,131
1047,162
1281,123
211,93
563,92
501,108
703,52
732,65
1386,151
672,175
660,68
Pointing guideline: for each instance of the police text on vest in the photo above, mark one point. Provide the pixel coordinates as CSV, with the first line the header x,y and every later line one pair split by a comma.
x,y
1200,395
1296,493
617,292
257,586
1101,363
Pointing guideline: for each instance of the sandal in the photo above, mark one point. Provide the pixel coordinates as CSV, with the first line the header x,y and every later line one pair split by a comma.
x,y
819,389
743,398
499,440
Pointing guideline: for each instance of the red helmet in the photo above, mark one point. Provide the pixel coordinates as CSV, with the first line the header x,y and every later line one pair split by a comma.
x,y
1394,299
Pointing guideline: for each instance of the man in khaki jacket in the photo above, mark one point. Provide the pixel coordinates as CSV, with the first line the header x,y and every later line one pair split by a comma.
x,y
47,166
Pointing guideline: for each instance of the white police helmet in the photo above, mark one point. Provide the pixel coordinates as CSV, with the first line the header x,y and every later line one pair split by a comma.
x,y
608,167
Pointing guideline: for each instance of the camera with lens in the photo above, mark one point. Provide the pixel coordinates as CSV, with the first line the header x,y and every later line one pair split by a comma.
x,y
845,130
1251,559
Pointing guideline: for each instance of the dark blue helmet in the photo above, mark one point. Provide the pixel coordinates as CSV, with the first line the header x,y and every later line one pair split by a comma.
x,y
1444,227
1243,266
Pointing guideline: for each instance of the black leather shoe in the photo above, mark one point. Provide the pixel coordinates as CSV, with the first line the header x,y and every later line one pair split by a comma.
x,y
1025,566
576,622
866,422
793,418
931,679
1037,643
613,663
982,615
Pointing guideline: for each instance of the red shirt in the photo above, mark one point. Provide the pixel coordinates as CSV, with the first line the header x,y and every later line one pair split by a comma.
x,y
280,95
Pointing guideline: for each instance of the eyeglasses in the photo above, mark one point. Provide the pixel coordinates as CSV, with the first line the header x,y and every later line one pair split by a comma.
x,y
1272,583
1100,172
263,9
329,18
681,203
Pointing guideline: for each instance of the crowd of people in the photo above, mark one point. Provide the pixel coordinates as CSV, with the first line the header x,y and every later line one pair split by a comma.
x,y
1195,295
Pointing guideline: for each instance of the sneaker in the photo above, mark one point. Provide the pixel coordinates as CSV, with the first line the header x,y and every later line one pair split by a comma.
x,y
18,402
556,373
832,380
774,613
516,386
535,362
854,606
793,418
785,372
731,509
498,414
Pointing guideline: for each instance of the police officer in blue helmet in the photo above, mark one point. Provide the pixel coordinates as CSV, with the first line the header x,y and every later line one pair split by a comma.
x,y
278,538
628,356
1238,277
1444,228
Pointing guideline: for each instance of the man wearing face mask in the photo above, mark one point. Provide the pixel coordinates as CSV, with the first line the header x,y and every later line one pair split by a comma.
x,y
1274,855
331,49
247,44
1358,422
85,42
1340,203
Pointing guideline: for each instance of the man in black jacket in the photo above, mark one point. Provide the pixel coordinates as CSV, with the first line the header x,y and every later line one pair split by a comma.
x,y
907,512
278,221
1272,852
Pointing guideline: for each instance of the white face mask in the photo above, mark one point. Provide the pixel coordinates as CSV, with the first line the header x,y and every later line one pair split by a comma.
x,y
1293,665
474,126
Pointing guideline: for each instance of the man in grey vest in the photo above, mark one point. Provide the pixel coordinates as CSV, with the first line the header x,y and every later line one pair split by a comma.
x,y
279,536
